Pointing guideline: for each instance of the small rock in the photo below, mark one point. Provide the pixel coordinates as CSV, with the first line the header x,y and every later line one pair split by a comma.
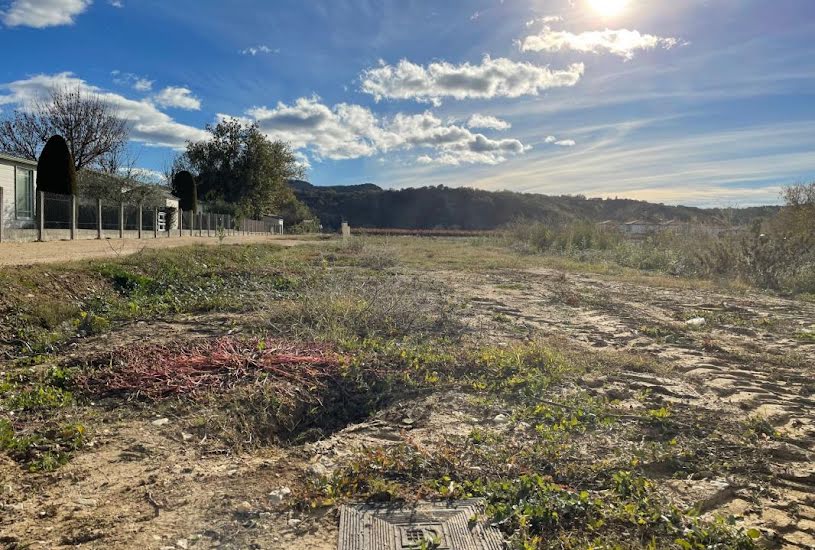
x,y
279,495
182,543
407,421
160,422
696,322
245,507
294,522
318,469
86,501
500,418
186,436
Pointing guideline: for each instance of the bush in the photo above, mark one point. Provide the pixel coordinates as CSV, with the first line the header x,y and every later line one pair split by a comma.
x,y
779,256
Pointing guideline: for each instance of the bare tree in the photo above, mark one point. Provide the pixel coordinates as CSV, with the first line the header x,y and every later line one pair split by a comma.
x,y
89,124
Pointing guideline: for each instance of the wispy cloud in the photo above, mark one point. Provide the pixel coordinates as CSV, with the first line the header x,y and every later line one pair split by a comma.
x,y
491,78
260,49
623,42
487,122
43,13
138,83
552,140
546,19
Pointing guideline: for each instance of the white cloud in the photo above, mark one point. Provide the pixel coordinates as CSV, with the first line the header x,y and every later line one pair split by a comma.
x,y
547,19
178,97
348,131
622,42
116,3
143,85
262,48
491,78
146,174
552,140
43,13
138,83
147,124
488,122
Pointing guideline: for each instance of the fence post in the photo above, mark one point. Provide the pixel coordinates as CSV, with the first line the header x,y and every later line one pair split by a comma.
x,y
200,224
209,223
41,217
155,223
192,223
99,219
139,219
73,217
121,220
180,222
2,207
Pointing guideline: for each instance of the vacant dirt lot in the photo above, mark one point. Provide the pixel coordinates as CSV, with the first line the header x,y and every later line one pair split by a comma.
x,y
151,476
63,251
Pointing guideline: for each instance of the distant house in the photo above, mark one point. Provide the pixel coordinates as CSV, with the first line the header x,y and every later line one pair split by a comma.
x,y
674,226
608,224
639,227
18,184
275,223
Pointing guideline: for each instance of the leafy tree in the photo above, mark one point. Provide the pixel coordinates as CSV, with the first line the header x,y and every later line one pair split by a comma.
x,y
90,125
185,189
240,165
55,168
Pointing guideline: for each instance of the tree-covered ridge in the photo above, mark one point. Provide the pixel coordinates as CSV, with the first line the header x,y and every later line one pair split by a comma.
x,y
368,205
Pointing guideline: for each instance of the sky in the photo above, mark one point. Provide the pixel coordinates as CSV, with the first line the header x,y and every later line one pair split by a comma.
x,y
695,102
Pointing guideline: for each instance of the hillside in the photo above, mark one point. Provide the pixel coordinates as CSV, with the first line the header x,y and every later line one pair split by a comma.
x,y
368,205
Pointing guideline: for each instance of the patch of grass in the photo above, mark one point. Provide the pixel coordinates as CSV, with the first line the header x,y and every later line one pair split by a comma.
x,y
336,305
533,510
43,450
61,302
806,336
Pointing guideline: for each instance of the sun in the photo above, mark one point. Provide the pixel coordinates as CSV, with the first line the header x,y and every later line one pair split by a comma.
x,y
608,8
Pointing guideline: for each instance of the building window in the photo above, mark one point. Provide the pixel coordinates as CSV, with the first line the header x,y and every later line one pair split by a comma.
x,y
24,194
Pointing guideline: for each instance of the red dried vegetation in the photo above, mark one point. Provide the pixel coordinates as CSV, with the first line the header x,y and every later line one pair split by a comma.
x,y
421,232
156,372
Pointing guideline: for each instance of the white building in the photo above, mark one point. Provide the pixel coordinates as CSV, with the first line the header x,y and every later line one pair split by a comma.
x,y
17,185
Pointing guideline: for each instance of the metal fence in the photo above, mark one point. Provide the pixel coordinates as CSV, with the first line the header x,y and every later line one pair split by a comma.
x,y
56,210
67,212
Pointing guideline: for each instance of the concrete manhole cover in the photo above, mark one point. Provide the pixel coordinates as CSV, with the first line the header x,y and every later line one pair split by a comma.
x,y
455,526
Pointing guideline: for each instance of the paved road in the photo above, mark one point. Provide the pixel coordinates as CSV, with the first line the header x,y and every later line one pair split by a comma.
x,y
61,251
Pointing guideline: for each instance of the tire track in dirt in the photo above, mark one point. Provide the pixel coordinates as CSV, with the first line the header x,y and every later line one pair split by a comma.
x,y
745,362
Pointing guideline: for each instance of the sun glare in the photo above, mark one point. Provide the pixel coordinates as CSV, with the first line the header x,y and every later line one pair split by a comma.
x,y
608,8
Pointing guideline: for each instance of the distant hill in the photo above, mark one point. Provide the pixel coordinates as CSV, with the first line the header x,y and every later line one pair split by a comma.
x,y
368,205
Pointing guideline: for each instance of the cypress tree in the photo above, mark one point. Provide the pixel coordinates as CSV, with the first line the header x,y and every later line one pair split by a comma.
x,y
55,168
186,190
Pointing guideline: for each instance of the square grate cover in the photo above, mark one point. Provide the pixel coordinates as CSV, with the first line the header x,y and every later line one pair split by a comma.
x,y
449,526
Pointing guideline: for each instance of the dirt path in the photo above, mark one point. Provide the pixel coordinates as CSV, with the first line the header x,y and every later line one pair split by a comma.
x,y
60,251
748,360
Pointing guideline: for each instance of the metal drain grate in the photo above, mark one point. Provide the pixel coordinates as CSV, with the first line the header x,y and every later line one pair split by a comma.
x,y
446,526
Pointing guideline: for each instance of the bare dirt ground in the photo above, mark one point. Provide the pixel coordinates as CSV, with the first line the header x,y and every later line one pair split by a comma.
x,y
62,251
744,362
147,483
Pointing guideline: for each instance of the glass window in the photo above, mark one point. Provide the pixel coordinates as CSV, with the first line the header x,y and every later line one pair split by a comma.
x,y
24,194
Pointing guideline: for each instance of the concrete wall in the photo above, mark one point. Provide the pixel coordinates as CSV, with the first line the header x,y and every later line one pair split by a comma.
x,y
30,235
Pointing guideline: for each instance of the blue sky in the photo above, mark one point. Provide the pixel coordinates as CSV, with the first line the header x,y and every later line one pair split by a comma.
x,y
700,102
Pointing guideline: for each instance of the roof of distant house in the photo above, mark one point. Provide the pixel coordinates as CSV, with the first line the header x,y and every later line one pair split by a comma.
x,y
17,160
